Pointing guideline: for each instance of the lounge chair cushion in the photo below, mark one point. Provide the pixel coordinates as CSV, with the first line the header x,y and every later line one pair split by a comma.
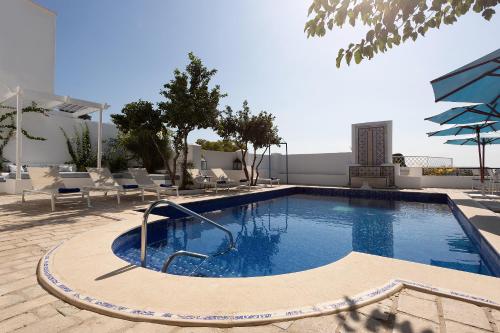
x,y
130,186
68,190
243,180
166,185
221,182
274,178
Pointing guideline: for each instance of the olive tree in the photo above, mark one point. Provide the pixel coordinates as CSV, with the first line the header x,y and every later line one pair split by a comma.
x,y
389,22
144,134
249,131
189,104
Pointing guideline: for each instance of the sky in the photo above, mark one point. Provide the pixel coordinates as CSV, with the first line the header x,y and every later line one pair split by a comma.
x,y
121,51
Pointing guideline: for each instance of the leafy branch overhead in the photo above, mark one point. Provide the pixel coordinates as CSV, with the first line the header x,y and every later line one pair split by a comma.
x,y
390,22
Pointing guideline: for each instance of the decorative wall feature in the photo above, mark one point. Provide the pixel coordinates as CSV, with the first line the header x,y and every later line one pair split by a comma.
x,y
371,145
372,172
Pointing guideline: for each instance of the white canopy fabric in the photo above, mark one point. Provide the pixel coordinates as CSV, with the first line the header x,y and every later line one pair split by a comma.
x,y
74,107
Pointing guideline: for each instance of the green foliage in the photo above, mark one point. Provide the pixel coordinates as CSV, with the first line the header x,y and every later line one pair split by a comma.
x,y
219,145
8,125
389,22
115,155
245,129
80,148
189,104
143,133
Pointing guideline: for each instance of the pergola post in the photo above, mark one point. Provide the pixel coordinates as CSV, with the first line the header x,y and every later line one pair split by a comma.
x,y
19,133
99,139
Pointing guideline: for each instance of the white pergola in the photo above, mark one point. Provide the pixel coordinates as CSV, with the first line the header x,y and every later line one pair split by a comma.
x,y
74,107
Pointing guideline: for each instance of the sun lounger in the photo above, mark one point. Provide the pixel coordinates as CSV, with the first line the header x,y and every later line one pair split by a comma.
x,y
142,178
46,180
222,176
104,182
203,180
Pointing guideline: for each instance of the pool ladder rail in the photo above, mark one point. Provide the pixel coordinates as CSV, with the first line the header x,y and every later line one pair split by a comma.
x,y
144,233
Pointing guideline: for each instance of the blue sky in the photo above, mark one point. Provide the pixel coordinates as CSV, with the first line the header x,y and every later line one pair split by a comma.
x,y
118,52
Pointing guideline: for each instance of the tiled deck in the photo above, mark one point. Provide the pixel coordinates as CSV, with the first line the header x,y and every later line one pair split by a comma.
x,y
27,231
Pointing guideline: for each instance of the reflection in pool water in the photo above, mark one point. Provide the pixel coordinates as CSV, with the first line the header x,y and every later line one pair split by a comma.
x,y
298,232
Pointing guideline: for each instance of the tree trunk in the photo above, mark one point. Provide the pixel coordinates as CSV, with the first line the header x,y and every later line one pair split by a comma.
x,y
184,162
258,164
244,153
174,168
162,155
252,182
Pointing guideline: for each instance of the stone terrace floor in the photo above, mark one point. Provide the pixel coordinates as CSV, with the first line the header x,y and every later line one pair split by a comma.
x,y
27,231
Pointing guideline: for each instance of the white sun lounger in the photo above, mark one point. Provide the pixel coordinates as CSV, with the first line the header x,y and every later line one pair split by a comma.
x,y
204,181
46,180
104,182
142,178
222,176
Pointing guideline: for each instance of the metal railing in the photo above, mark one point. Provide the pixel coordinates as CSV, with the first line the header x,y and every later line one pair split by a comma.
x,y
174,255
144,229
423,161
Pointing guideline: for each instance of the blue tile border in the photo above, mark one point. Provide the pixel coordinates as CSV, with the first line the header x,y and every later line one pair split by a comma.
x,y
58,287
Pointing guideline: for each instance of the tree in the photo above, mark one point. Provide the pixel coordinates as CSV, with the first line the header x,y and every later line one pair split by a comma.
x,y
219,145
235,127
80,148
190,104
8,125
145,135
390,22
263,134
246,130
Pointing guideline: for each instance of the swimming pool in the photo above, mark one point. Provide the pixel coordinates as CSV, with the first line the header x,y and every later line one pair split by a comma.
x,y
292,232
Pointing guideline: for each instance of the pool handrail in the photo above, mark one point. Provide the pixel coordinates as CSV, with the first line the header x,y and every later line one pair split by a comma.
x,y
144,232
174,255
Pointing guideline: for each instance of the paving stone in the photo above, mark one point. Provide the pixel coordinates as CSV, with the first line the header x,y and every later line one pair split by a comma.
x,y
419,294
379,310
465,313
454,327
152,328
404,323
249,329
16,285
284,325
34,291
45,311
326,323
68,310
359,323
25,306
99,324
418,307
52,324
10,299
17,322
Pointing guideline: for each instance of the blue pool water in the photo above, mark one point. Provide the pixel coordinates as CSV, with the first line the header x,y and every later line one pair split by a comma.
x,y
298,232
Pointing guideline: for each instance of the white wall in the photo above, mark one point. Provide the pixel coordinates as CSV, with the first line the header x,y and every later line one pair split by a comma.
x,y
53,150
27,46
219,159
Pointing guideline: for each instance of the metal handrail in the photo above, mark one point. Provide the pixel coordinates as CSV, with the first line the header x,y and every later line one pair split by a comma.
x,y
144,232
178,254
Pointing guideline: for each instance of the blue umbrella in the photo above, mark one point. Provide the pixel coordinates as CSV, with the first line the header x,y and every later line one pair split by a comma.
x,y
476,82
472,142
471,129
467,114
468,129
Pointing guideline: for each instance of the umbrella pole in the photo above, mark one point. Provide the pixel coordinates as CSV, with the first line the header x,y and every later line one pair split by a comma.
x,y
480,159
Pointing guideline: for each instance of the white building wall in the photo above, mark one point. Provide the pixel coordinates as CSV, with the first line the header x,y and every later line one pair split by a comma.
x,y
27,46
53,150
